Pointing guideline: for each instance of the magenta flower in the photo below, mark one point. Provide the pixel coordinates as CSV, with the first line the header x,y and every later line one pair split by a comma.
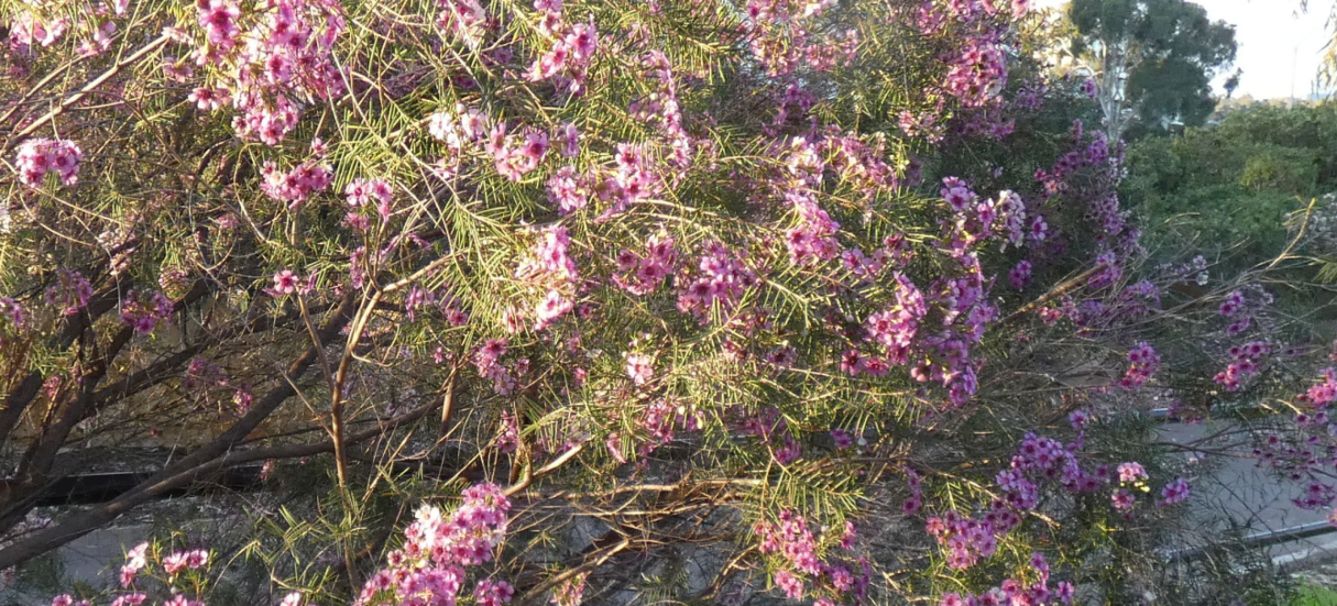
x,y
1175,492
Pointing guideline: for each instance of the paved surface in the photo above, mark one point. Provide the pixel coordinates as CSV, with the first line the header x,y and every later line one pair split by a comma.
x,y
1251,498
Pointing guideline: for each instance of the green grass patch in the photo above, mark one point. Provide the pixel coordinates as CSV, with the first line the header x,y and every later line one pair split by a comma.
x,y
1314,595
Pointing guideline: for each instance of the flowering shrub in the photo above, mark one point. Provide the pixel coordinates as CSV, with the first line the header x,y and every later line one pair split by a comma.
x,y
657,279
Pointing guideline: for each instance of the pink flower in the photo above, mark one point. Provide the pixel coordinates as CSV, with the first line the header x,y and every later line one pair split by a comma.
x,y
219,19
552,307
181,600
493,593
1020,275
571,592
842,438
296,186
1131,472
536,146
1143,362
181,560
569,137
1122,500
285,282
640,368
144,311
438,547
71,292
37,157
130,599
363,192
791,585
565,190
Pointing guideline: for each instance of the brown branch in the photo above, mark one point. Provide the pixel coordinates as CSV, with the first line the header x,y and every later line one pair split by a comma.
x,y
18,401
184,469
91,86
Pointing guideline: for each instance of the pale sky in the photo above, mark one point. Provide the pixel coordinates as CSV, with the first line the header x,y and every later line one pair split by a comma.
x,y
1279,50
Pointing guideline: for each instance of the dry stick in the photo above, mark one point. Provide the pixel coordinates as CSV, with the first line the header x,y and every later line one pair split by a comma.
x,y
1299,234
336,410
448,400
340,376
571,573
34,89
1058,290
85,90
527,477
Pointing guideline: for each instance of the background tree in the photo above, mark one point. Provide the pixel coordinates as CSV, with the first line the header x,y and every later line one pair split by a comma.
x,y
1153,60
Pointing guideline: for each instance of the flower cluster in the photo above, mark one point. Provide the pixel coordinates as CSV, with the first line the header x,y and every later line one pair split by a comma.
x,y
661,421
1175,492
458,127
1322,393
269,70
37,24
721,280
493,593
1019,591
783,37
644,273
967,540
431,566
978,73
368,193
1240,309
487,359
796,547
1245,362
135,591
568,59
567,191
297,185
1020,274
143,311
635,177
895,328
464,20
37,157
813,239
12,312
70,292
570,592
1143,362
517,154
177,561
508,440
552,268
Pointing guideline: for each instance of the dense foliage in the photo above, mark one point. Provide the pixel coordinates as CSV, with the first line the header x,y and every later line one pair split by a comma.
x,y
603,301
1231,185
